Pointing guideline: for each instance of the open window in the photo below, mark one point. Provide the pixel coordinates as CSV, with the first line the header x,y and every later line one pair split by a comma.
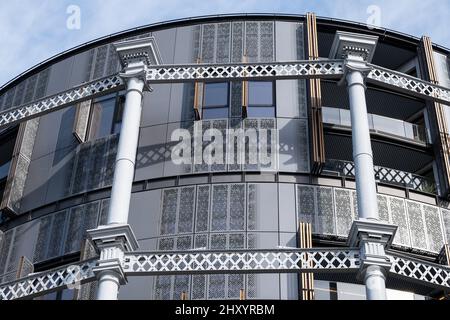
x,y
99,118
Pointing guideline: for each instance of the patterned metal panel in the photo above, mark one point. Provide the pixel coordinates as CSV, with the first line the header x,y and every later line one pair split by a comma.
x,y
219,207
325,211
344,208
399,218
435,236
202,212
417,225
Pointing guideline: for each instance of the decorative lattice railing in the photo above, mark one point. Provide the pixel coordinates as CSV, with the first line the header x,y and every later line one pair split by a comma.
x,y
209,262
384,175
324,68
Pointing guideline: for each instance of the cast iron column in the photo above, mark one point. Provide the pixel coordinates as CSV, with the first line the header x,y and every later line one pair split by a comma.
x,y
116,238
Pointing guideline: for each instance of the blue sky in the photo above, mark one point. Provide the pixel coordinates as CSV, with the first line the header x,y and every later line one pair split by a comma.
x,y
34,30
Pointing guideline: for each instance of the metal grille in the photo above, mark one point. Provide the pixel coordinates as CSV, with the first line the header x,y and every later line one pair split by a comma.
x,y
60,100
408,84
278,70
429,273
240,261
48,281
385,175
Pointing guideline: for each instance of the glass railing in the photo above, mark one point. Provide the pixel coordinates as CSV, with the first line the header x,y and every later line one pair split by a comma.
x,y
382,174
341,117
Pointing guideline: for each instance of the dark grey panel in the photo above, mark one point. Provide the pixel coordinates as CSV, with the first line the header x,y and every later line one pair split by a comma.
x,y
36,184
186,46
151,153
291,99
60,174
293,145
181,102
59,76
55,132
170,168
80,65
286,208
155,106
137,288
166,44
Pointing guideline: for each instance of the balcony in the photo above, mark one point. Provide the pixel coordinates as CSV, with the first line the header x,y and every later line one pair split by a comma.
x,y
378,124
383,175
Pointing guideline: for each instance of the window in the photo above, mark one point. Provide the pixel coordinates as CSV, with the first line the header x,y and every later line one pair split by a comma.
x,y
106,116
261,99
215,101
7,143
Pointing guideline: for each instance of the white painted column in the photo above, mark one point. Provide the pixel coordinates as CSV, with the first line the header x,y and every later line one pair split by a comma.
x,y
367,232
108,286
117,237
375,281
126,153
362,148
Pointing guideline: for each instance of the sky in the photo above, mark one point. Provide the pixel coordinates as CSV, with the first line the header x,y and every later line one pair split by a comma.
x,y
34,30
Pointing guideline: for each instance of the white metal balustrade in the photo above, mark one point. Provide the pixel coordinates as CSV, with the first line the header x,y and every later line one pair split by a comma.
x,y
324,68
217,262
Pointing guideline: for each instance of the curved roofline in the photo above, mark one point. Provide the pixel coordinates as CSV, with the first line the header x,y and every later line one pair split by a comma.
x,y
197,19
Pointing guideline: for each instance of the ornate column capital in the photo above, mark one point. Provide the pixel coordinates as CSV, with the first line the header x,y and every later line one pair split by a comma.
x,y
356,49
136,56
372,238
112,241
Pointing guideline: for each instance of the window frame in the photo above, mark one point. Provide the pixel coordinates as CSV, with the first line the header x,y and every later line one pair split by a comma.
x,y
249,106
119,104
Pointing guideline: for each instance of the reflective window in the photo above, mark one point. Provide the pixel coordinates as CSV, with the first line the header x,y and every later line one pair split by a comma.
x,y
215,101
106,116
261,99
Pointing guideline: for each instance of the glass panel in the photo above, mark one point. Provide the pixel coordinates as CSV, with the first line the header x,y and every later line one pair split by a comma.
x,y
215,113
102,119
388,125
216,94
260,93
331,115
261,112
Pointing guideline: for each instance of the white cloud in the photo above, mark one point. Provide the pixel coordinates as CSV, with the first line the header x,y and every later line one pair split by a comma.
x,y
32,31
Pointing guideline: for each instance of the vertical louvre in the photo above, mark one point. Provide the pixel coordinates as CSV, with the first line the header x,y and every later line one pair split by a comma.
x,y
23,149
80,126
315,103
306,279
